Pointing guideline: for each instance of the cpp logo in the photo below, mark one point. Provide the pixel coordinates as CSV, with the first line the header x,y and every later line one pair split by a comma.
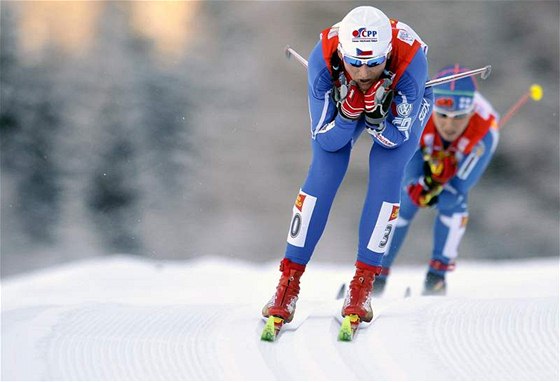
x,y
363,32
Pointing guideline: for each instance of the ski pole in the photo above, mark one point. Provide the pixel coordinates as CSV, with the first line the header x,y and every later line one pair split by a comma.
x,y
484,72
289,52
535,92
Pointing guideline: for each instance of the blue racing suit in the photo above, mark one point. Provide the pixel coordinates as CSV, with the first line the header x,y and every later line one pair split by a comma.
x,y
332,138
452,203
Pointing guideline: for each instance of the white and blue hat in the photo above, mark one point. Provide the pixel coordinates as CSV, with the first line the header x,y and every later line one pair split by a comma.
x,y
455,97
365,33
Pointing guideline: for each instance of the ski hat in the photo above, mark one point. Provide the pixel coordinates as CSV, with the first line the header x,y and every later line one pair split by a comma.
x,y
455,97
365,32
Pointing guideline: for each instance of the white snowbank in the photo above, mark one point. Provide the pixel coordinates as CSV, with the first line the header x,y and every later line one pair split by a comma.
x,y
127,318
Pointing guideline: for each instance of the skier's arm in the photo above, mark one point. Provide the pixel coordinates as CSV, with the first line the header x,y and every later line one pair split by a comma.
x,y
406,104
330,129
470,170
421,190
473,165
414,169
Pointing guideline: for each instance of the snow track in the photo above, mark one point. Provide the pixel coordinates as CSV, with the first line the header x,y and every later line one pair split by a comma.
x,y
496,339
429,338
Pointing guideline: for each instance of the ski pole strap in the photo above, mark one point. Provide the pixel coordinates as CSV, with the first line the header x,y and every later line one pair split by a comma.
x,y
441,266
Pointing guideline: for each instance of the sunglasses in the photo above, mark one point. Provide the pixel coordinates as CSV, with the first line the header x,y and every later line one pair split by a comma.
x,y
359,62
453,115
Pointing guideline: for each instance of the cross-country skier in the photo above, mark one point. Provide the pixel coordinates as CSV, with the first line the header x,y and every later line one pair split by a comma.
x,y
455,149
367,72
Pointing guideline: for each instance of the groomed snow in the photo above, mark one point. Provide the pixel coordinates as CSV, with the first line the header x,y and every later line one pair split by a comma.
x,y
127,318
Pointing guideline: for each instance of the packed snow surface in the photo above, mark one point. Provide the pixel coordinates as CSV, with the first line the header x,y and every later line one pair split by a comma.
x,y
124,318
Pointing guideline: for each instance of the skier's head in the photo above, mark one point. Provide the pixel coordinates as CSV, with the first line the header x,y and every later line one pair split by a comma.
x,y
364,36
455,97
453,103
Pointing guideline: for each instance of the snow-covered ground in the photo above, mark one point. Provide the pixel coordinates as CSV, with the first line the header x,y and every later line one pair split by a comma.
x,y
127,318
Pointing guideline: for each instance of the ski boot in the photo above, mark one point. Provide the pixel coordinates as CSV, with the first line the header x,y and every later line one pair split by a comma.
x,y
434,284
379,283
358,298
283,303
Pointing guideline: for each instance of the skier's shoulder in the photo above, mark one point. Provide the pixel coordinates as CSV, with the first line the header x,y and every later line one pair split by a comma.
x,y
484,121
483,108
318,75
408,57
403,34
483,125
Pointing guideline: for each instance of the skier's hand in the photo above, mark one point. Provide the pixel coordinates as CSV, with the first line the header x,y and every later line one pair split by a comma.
x,y
378,99
422,194
441,167
352,106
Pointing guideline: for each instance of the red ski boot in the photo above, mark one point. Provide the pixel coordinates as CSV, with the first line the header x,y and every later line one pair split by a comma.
x,y
358,299
283,303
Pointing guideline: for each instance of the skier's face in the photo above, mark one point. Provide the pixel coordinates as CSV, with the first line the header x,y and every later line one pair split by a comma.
x,y
451,128
364,76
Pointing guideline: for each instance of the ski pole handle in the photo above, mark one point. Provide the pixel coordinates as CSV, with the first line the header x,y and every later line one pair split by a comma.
x,y
484,72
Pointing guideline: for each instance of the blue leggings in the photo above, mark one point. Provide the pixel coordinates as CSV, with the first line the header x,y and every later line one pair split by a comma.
x,y
327,170
450,224
452,205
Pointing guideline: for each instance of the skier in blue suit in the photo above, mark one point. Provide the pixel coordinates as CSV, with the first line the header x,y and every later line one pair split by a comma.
x,y
367,72
455,150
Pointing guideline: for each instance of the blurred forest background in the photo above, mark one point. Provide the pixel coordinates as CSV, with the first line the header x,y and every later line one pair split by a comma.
x,y
179,129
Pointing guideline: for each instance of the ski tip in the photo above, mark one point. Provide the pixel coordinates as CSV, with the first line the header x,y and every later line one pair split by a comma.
x,y
348,327
268,336
271,328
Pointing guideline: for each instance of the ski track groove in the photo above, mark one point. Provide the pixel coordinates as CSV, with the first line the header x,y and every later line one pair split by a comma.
x,y
177,354
275,353
67,348
475,339
497,326
374,363
156,351
470,339
325,328
309,367
108,343
412,318
359,363
195,348
307,364
552,359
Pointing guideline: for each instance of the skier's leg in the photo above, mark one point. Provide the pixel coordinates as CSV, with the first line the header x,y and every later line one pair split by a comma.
x,y
449,228
380,213
382,203
314,201
309,218
407,212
